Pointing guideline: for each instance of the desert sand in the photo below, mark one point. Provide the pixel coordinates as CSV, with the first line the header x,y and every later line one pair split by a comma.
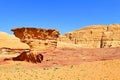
x,y
98,70
65,64
10,41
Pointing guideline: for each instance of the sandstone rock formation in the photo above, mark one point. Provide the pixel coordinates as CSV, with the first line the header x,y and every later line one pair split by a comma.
x,y
38,40
96,36
29,57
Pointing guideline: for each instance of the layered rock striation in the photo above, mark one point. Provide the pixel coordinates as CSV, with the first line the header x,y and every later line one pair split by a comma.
x,y
38,39
96,36
9,44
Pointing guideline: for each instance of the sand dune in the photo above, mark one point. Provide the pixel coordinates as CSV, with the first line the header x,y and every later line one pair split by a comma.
x,y
10,41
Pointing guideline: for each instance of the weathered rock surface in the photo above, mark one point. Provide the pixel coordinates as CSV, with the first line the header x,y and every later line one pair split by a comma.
x,y
97,36
38,40
29,57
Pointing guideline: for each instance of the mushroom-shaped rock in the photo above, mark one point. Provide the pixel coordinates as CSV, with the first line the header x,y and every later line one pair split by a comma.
x,y
38,39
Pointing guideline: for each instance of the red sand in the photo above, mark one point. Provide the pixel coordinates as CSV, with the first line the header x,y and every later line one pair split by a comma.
x,y
65,56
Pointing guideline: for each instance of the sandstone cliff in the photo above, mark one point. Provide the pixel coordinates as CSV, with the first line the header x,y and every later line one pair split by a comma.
x,y
96,36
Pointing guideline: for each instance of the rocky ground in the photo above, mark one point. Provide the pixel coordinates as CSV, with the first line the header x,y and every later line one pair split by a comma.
x,y
65,64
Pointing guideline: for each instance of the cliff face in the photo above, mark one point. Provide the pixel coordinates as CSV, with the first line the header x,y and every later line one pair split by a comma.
x,y
99,36
36,38
111,38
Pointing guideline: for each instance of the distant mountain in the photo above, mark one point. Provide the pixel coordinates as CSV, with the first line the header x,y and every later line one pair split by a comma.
x,y
10,41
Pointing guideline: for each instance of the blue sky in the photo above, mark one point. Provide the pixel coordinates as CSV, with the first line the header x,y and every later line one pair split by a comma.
x,y
63,15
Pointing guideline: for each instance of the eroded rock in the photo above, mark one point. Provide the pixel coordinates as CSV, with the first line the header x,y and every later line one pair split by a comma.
x,y
38,40
97,36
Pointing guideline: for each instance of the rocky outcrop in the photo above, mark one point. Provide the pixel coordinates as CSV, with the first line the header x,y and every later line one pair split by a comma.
x,y
29,57
38,40
12,51
96,36
111,38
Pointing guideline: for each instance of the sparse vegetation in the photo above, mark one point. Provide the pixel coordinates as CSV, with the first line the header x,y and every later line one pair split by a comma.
x,y
85,71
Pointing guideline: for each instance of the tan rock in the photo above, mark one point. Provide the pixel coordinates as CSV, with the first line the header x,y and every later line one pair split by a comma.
x,y
36,38
97,36
111,38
